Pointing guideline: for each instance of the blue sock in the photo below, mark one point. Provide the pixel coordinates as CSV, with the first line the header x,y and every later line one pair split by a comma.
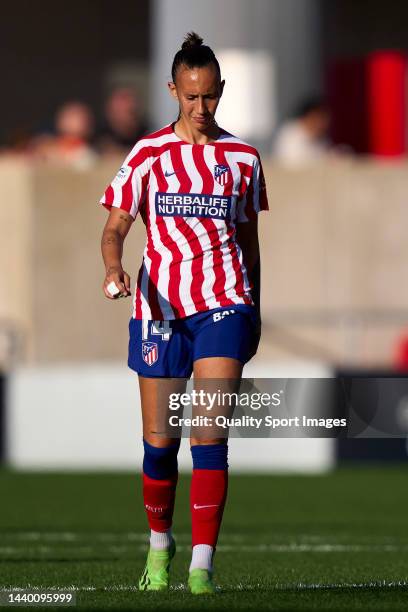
x,y
210,456
160,463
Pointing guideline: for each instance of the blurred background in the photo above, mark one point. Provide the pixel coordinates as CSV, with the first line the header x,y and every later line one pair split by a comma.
x,y
320,87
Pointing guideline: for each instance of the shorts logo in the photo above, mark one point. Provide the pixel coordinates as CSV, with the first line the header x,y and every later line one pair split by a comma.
x,y
218,316
150,352
221,174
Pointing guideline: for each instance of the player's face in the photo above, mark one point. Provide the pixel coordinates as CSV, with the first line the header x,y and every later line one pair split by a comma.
x,y
198,91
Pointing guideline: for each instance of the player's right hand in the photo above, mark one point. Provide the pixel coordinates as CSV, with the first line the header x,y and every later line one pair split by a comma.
x,y
120,280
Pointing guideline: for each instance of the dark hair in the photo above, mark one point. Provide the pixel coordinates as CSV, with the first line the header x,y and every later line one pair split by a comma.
x,y
310,105
193,54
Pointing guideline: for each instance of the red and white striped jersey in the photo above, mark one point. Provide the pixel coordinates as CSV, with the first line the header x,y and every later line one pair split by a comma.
x,y
190,198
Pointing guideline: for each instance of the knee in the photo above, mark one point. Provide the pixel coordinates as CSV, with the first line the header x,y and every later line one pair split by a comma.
x,y
210,456
160,462
200,441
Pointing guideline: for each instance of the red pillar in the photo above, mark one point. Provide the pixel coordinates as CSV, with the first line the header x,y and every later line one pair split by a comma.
x,y
387,98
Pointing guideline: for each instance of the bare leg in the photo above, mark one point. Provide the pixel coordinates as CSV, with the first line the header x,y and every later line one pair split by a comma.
x,y
154,394
212,369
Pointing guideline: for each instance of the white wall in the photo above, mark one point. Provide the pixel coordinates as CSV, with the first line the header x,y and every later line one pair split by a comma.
x,y
88,417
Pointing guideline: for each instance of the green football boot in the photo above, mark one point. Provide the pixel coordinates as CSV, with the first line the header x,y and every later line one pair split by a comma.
x,y
156,574
200,582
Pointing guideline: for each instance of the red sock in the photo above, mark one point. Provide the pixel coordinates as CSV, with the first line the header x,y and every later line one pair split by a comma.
x,y
159,497
207,500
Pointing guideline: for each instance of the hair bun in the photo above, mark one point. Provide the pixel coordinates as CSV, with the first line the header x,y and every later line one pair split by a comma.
x,y
192,40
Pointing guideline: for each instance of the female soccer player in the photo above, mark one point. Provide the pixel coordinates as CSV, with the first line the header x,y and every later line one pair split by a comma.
x,y
198,190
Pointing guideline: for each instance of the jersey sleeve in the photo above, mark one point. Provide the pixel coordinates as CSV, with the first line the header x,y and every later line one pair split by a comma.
x,y
128,189
255,197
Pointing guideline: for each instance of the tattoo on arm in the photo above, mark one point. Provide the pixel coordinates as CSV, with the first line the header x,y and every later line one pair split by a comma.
x,y
110,239
112,246
112,269
124,218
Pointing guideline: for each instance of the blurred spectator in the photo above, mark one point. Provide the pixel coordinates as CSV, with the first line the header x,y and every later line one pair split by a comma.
x,y
70,141
17,140
303,139
123,124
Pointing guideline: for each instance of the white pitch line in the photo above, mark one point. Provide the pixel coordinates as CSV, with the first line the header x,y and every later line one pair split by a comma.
x,y
117,538
74,536
321,548
222,548
97,536
300,586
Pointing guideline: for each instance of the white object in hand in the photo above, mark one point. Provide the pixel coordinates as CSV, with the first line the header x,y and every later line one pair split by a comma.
x,y
112,289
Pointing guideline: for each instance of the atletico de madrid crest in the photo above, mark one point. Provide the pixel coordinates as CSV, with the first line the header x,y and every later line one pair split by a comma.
x,y
221,174
150,352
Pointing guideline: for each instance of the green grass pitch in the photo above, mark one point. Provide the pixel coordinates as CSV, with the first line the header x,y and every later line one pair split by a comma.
x,y
330,542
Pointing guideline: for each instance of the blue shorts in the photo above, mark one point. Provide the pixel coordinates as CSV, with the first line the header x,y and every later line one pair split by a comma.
x,y
169,348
